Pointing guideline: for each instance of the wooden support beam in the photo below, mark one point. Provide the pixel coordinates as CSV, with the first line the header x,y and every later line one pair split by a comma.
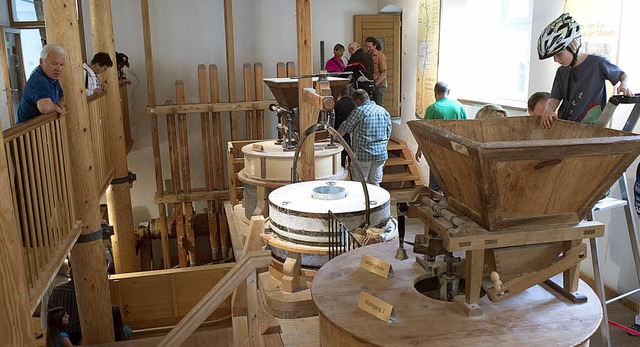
x,y
218,147
148,53
90,270
174,159
257,71
118,195
185,175
291,69
281,70
155,142
231,62
15,324
305,67
213,107
248,96
310,98
207,153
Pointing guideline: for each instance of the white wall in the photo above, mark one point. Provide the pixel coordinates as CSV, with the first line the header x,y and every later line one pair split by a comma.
x,y
4,14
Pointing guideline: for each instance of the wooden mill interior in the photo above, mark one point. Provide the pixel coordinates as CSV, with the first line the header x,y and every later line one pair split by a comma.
x,y
214,240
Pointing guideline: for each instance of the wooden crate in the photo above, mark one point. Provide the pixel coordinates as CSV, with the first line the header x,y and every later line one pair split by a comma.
x,y
509,172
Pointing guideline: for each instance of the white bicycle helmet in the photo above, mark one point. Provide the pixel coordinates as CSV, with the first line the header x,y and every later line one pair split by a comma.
x,y
559,35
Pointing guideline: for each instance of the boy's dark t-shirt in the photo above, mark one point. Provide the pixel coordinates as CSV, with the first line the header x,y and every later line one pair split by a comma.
x,y
582,88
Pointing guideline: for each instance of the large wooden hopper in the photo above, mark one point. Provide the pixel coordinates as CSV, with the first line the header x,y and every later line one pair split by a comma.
x,y
285,90
508,172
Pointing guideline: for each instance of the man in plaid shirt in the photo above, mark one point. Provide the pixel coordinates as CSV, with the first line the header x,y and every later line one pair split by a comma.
x,y
370,129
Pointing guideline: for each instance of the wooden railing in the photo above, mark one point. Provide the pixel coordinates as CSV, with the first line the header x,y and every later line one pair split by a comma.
x,y
39,167
42,191
102,136
246,267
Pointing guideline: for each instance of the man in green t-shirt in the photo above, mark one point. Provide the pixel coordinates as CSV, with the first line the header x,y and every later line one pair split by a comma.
x,y
443,108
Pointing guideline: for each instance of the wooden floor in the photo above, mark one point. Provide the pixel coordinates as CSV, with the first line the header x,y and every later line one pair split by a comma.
x,y
304,332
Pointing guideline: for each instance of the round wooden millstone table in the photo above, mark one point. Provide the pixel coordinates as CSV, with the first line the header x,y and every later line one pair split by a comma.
x,y
537,316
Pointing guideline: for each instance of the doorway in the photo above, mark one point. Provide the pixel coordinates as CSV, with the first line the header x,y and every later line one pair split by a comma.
x,y
14,74
385,28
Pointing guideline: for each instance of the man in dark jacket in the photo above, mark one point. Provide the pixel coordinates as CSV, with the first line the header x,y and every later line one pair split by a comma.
x,y
361,64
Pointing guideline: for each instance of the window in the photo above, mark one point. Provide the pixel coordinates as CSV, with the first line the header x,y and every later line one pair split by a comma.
x,y
485,49
26,13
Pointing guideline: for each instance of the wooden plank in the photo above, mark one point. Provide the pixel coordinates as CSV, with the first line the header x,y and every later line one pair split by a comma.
x,y
41,176
185,176
163,297
210,107
17,331
207,153
215,296
232,174
248,96
117,135
148,53
225,242
291,69
281,70
307,115
231,63
473,279
252,309
92,291
218,146
162,210
175,183
320,102
259,92
571,277
32,202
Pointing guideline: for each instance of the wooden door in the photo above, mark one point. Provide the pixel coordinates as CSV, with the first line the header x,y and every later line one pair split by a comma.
x,y
386,28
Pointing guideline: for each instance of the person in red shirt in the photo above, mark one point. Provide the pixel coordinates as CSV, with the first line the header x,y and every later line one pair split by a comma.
x,y
335,64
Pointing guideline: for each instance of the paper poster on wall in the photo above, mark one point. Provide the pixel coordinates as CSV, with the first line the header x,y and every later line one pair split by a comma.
x,y
600,29
428,44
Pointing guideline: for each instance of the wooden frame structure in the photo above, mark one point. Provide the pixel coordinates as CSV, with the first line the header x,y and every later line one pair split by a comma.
x,y
182,195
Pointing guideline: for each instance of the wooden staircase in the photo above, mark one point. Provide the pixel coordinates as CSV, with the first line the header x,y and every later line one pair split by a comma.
x,y
401,169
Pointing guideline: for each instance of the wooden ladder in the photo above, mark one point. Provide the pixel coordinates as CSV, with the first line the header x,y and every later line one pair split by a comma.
x,y
401,167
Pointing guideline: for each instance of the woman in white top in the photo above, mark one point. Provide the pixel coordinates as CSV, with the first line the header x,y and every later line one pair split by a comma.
x,y
99,64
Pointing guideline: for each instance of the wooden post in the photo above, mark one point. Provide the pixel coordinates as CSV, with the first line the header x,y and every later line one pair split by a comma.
x,y
231,63
219,182
207,152
307,119
172,139
257,71
153,119
118,195
87,255
248,96
281,70
185,175
15,325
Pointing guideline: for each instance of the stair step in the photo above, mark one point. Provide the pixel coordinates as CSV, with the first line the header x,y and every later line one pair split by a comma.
x,y
399,177
398,161
394,146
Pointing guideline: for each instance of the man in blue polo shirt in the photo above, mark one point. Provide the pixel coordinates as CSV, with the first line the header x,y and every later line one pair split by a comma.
x,y
42,93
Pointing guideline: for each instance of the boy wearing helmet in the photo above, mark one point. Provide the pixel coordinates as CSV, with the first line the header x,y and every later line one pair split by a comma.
x,y
580,80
